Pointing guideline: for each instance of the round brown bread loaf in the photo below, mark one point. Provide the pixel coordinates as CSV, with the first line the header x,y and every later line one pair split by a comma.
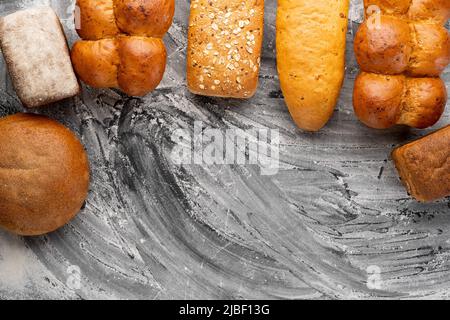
x,y
44,174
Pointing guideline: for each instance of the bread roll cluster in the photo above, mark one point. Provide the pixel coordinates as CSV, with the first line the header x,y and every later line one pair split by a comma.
x,y
122,43
402,48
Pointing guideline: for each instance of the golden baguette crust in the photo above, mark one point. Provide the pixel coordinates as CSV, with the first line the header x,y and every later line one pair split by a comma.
x,y
44,174
311,39
424,166
224,47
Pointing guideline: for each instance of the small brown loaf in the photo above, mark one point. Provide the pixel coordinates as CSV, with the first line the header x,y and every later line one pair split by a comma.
x,y
122,46
402,48
37,57
424,166
382,101
44,174
224,47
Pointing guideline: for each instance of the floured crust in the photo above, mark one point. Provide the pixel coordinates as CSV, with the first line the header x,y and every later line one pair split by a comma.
x,y
37,56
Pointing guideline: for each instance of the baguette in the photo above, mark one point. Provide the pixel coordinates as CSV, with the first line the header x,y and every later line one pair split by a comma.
x,y
424,166
224,47
311,41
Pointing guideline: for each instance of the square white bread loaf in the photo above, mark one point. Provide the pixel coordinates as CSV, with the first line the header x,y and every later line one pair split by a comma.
x,y
224,47
36,54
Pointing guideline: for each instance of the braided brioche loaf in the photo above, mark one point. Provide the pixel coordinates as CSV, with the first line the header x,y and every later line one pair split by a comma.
x,y
402,48
122,43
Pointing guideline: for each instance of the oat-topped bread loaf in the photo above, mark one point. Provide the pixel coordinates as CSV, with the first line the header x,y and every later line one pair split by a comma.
x,y
122,43
424,166
402,48
37,57
224,47
44,174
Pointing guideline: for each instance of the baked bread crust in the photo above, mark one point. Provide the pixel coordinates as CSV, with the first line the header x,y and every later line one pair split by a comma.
x,y
36,54
122,43
424,166
311,42
382,101
224,47
44,174
402,49
133,64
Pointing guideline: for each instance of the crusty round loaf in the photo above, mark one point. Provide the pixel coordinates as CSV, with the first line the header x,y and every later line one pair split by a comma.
x,y
44,174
